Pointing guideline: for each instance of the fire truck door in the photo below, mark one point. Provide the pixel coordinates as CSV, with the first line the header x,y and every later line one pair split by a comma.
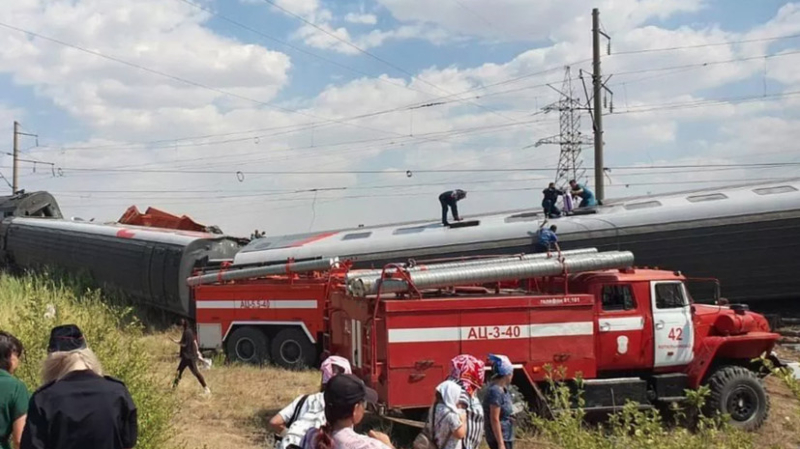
x,y
672,324
620,329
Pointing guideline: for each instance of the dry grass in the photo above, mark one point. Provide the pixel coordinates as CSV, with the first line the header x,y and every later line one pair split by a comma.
x,y
245,397
242,401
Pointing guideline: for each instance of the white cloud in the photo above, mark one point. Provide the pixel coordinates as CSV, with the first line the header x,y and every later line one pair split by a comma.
x,y
118,104
363,19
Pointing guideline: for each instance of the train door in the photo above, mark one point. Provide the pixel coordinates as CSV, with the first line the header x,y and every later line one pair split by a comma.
x,y
672,324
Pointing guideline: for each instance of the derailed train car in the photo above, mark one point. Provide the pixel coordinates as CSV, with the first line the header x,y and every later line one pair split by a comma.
x,y
149,265
748,236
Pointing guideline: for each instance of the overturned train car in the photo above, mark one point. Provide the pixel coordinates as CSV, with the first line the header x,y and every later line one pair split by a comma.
x,y
148,265
748,236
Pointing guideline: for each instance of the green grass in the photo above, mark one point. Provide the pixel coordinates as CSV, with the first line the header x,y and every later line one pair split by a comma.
x,y
111,331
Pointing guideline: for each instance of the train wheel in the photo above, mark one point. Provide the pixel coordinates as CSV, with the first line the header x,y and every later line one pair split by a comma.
x,y
291,349
247,345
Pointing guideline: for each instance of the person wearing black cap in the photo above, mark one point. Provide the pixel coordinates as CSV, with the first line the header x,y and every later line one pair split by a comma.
x,y
78,407
188,355
14,394
345,403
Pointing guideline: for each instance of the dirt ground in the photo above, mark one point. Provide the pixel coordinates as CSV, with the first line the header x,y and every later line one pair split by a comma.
x,y
243,398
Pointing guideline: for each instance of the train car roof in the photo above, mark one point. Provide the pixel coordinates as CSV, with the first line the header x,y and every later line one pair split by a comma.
x,y
747,199
172,236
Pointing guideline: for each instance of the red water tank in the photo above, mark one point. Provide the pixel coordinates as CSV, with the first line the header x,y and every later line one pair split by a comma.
x,y
730,324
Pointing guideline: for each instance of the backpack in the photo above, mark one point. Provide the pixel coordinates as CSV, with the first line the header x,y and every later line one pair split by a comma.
x,y
427,438
292,419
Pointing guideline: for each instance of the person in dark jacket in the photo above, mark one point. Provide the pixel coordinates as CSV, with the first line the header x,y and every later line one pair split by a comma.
x,y
450,199
78,407
551,194
188,355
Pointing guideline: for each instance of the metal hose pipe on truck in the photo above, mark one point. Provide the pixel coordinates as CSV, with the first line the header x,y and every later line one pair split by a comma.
x,y
500,271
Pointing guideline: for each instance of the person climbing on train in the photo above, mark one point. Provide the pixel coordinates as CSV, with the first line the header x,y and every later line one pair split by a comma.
x,y
306,411
467,371
346,397
546,239
551,194
189,356
582,192
498,405
450,199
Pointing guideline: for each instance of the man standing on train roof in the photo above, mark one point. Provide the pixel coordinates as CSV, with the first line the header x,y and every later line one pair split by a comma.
x,y
546,239
449,199
586,195
551,194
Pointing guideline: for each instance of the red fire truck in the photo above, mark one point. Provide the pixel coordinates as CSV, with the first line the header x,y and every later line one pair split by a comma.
x,y
632,334
265,314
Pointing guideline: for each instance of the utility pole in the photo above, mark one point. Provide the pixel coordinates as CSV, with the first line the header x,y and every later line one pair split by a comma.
x,y
597,82
15,177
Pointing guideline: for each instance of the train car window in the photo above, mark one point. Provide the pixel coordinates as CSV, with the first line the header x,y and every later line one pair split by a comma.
x,y
526,216
643,205
774,190
357,235
670,295
709,197
404,231
618,297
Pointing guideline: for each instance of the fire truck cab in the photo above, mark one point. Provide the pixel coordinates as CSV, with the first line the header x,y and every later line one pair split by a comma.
x,y
630,334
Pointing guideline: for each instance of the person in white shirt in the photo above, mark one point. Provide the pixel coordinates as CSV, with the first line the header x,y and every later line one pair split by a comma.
x,y
307,411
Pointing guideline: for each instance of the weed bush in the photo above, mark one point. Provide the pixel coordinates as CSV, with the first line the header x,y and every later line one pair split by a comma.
x,y
27,304
632,428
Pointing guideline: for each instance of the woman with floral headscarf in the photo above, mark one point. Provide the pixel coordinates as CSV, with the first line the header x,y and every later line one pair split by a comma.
x,y
498,406
467,371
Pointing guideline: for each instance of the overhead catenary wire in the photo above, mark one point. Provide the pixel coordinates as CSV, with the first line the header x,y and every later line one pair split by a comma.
x,y
376,57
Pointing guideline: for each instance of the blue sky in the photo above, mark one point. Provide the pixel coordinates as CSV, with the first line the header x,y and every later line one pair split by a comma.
x,y
219,99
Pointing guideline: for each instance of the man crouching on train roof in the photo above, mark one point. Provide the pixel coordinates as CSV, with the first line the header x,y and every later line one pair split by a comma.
x,y
307,411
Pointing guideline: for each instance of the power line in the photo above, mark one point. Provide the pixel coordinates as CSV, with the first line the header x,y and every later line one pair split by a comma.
x,y
410,173
716,44
184,80
376,57
296,48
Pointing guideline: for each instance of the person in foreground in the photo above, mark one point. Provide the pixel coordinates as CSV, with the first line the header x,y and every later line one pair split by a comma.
x,y
498,406
467,371
307,411
13,393
449,416
78,407
345,403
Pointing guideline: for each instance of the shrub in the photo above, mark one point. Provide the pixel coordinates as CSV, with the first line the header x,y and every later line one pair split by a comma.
x,y
27,304
632,428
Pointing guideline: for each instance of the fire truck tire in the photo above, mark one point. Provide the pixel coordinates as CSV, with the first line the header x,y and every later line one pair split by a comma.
x,y
739,393
247,345
290,348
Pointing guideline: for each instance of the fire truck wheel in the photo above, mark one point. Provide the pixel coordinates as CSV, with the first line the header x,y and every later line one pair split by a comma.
x,y
247,345
290,348
738,392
